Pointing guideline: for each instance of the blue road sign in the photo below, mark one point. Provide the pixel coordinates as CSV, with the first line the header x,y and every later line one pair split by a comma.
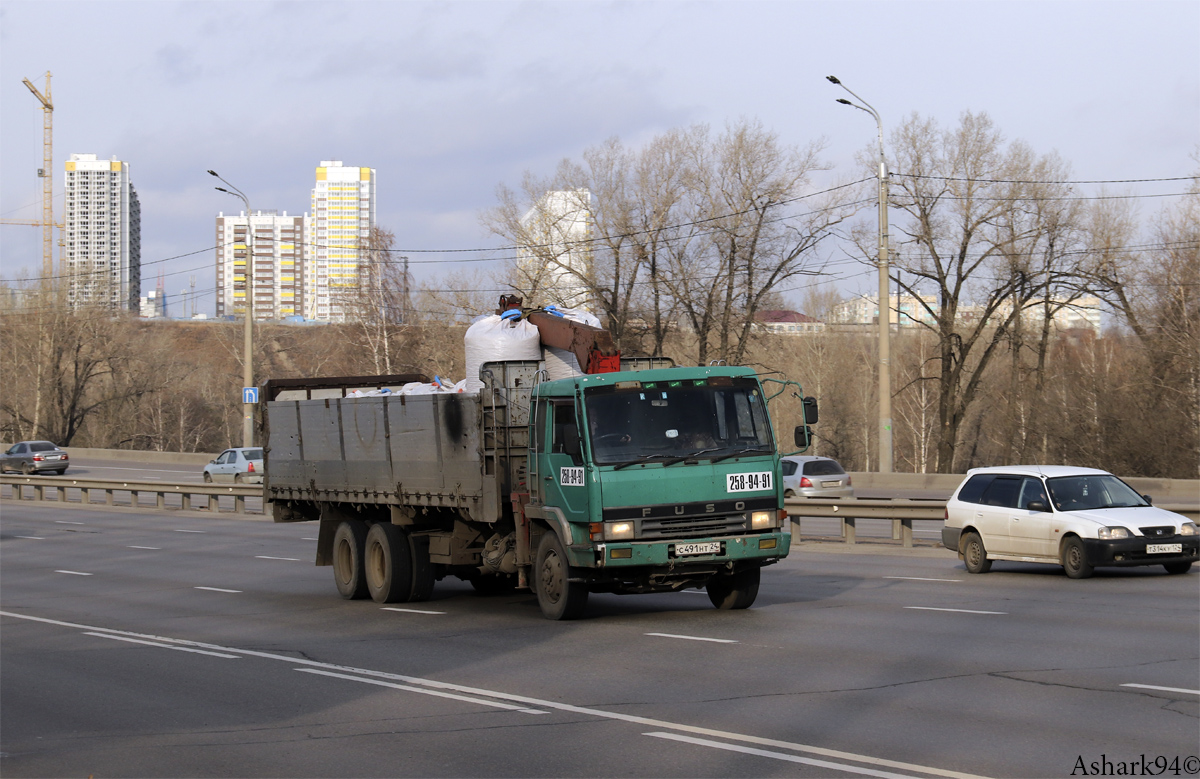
x,y
249,394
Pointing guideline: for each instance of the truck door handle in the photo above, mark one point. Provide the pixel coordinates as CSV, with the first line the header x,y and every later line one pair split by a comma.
x,y
548,478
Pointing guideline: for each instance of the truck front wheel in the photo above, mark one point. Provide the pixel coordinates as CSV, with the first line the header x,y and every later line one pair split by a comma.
x,y
348,544
559,597
734,591
388,563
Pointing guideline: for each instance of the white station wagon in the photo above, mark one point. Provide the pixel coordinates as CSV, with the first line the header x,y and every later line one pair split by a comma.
x,y
1078,518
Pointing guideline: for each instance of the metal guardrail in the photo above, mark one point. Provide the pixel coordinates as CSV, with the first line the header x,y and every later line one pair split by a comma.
x,y
900,511
37,488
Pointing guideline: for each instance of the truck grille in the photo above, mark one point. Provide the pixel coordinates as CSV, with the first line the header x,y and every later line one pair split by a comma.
x,y
693,527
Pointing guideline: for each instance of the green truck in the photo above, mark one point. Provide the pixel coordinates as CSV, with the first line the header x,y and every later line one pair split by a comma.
x,y
650,478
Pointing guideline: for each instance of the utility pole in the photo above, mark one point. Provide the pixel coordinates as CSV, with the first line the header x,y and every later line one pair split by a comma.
x,y
47,176
885,298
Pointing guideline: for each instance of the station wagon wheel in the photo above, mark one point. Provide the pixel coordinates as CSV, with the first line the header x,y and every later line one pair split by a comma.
x,y
208,478
1074,559
974,554
1178,568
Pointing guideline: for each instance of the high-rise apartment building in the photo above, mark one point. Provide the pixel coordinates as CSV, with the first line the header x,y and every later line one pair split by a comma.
x,y
556,262
274,269
338,235
102,244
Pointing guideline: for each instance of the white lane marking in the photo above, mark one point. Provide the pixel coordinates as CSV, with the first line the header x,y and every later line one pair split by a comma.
x,y
266,557
309,539
191,531
957,611
74,573
850,769
163,646
65,522
1163,689
437,693
600,713
154,548
921,579
216,589
695,638
411,611
31,538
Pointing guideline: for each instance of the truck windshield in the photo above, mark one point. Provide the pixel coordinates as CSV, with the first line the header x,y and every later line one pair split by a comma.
x,y
714,417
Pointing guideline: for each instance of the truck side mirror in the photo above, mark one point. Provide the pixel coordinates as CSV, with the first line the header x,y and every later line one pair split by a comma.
x,y
810,410
803,437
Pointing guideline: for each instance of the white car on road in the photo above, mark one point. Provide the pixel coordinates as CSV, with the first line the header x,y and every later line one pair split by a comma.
x,y
239,465
1079,518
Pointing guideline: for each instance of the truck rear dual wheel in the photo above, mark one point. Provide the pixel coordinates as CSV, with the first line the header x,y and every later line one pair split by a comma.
x,y
348,569
734,591
397,565
388,562
558,596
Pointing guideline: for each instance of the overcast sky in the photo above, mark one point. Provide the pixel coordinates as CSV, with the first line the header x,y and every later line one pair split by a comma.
x,y
447,100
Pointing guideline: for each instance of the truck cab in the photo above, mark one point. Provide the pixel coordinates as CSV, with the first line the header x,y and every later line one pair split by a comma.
x,y
655,480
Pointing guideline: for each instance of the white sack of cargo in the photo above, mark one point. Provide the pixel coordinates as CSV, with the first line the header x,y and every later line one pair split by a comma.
x,y
495,339
561,363
438,386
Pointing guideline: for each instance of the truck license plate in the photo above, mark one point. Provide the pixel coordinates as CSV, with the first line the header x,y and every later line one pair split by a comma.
x,y
706,547
1164,548
748,482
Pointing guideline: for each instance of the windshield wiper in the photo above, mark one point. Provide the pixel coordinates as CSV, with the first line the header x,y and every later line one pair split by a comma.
x,y
642,459
740,452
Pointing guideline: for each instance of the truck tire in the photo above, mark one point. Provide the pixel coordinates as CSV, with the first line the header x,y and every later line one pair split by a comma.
x,y
734,591
388,563
558,596
422,569
348,573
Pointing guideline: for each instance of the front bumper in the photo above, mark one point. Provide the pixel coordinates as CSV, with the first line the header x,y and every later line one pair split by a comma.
x,y
1132,551
661,552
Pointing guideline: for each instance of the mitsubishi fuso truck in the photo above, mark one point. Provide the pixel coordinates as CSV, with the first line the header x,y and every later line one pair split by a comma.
x,y
647,478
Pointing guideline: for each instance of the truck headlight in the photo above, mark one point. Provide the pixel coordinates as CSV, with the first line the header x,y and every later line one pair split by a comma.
x,y
618,531
1188,529
1112,533
764,520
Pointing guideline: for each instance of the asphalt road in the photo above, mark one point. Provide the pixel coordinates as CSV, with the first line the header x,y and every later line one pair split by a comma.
x,y
168,644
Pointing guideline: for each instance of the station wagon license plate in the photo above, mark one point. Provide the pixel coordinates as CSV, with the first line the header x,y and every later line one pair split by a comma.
x,y
705,547
837,483
1164,548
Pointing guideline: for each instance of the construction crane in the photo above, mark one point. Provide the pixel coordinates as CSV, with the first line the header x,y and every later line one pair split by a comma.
x,y
47,175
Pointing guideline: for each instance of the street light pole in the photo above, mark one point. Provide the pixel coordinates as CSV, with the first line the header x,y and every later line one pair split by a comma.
x,y
885,301
247,365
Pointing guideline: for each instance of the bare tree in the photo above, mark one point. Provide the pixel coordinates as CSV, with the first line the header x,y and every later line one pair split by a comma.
x,y
973,228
